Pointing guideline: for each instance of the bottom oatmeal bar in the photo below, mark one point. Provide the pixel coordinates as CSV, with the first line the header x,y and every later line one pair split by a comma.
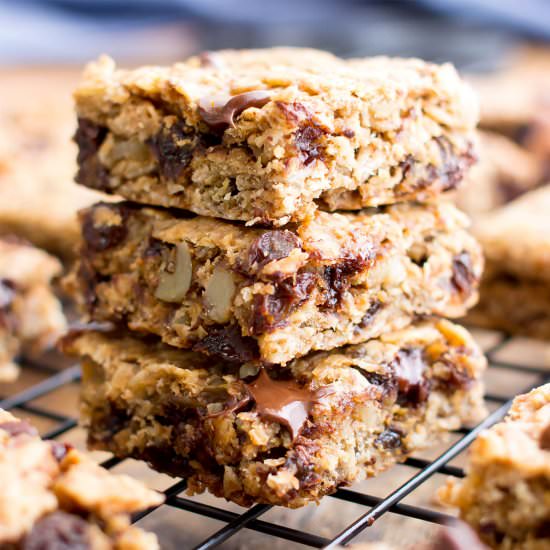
x,y
54,498
277,436
31,318
506,493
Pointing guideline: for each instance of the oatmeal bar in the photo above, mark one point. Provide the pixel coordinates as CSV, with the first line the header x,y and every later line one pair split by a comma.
x,y
274,293
31,318
38,199
515,290
504,172
505,495
288,437
267,136
53,497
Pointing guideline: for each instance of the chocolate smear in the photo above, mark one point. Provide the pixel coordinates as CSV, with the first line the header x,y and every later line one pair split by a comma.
x,y
282,401
409,366
544,441
220,112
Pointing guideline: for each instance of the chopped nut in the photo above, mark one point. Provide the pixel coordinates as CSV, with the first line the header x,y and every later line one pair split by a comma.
x,y
248,370
173,286
219,293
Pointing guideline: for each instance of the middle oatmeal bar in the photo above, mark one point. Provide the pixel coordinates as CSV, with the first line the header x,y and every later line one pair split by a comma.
x,y
284,437
272,294
267,136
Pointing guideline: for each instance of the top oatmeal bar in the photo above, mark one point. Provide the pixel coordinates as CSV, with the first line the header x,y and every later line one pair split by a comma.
x,y
268,136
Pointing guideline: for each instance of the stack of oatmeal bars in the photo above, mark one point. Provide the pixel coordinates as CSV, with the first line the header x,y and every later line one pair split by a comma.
x,y
276,282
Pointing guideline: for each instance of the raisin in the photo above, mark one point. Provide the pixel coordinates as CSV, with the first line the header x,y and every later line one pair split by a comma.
x,y
306,139
58,531
370,314
463,277
89,136
338,277
228,343
15,428
272,310
389,439
60,450
173,146
103,237
269,247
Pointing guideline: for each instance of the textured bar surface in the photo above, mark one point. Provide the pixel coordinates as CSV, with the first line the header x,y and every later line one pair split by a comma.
x,y
267,136
249,293
31,318
53,497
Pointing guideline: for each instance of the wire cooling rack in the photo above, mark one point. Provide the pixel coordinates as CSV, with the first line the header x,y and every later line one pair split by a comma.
x,y
374,506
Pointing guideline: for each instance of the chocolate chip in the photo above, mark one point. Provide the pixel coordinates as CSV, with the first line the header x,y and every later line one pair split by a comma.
x,y
154,249
58,531
389,439
220,114
89,136
463,276
229,344
15,428
174,146
104,236
281,401
271,311
544,441
306,139
408,367
60,450
458,537
269,247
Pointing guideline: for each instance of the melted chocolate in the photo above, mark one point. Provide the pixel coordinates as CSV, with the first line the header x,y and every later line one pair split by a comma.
x,y
282,401
220,115
409,366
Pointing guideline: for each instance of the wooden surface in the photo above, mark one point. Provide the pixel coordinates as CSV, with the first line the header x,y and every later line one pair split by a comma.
x,y
179,529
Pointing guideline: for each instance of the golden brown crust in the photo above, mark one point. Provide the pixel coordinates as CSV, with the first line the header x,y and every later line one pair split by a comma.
x,y
377,131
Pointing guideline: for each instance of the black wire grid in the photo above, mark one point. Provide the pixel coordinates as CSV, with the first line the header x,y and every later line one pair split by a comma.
x,y
250,519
